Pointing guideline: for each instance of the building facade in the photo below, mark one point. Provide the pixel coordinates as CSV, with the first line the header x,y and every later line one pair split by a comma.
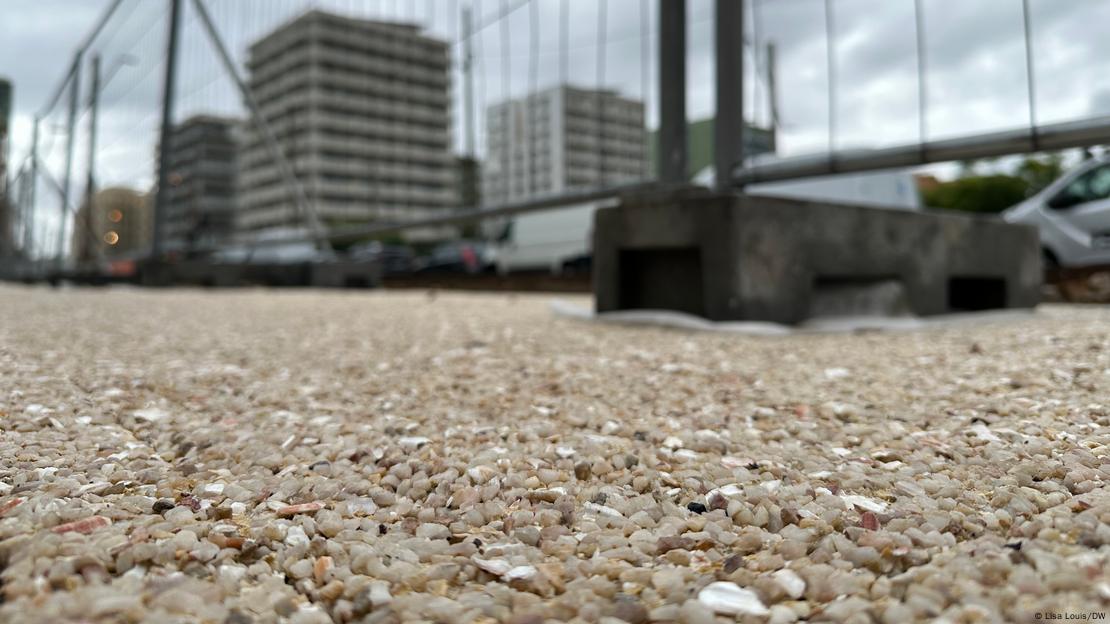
x,y
560,139
117,224
201,199
362,111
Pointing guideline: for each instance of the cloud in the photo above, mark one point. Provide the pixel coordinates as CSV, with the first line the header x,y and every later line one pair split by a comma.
x,y
975,57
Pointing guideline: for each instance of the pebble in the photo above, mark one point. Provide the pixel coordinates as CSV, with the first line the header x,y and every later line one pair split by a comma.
x,y
379,594
496,567
296,536
178,515
730,599
790,582
629,611
433,531
668,543
412,443
300,569
863,502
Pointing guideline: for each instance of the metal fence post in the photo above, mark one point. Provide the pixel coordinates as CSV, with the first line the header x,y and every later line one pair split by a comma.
x,y
29,226
468,82
71,137
672,92
1030,74
728,128
830,54
86,233
161,201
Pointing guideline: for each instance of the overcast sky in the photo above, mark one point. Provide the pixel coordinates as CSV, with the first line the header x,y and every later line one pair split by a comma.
x,y
975,59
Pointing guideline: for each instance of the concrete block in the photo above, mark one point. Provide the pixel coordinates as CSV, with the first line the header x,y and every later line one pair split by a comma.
x,y
732,257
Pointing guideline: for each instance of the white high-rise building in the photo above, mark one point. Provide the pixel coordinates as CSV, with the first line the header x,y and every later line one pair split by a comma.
x,y
556,140
201,199
362,111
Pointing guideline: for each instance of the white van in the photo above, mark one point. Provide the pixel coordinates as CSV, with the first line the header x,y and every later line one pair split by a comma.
x,y
555,241
895,189
1073,216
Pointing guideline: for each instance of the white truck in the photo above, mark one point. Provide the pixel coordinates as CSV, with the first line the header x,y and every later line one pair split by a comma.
x,y
880,189
1073,217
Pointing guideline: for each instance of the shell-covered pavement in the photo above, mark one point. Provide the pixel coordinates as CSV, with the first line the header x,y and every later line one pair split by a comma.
x,y
307,456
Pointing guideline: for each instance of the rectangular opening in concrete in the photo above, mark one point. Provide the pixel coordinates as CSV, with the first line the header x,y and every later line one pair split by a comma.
x,y
855,295
968,294
356,281
662,278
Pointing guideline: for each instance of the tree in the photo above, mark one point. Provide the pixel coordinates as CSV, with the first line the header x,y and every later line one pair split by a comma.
x,y
993,193
1040,172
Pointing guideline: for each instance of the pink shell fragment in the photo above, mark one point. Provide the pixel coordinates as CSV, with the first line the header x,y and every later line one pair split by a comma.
x,y
293,510
10,505
84,525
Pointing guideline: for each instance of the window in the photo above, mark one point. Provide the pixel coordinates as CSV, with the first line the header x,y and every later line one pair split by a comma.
x,y
1090,186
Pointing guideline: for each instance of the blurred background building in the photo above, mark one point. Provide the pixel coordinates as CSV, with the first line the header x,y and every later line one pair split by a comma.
x,y
201,160
362,110
560,139
116,225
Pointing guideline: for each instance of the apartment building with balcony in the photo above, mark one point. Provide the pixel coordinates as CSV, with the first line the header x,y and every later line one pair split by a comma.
x,y
560,139
361,109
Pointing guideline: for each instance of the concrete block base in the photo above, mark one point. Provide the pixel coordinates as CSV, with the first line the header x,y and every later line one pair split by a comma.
x,y
731,257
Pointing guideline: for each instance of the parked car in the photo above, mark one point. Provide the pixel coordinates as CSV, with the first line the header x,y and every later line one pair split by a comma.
x,y
395,259
1073,216
284,253
458,257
